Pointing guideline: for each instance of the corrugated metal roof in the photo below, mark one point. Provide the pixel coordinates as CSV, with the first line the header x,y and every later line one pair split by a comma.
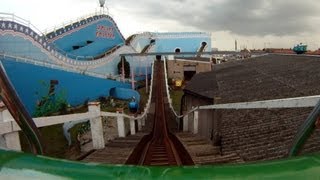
x,y
265,77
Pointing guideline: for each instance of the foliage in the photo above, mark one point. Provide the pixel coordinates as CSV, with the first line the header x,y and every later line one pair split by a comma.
x,y
50,102
126,67
84,127
176,96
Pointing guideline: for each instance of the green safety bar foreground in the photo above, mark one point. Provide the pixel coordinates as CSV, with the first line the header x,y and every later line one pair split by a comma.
x,y
13,103
305,131
16,165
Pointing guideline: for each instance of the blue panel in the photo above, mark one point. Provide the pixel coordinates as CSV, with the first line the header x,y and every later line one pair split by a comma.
x,y
26,79
126,94
16,45
98,32
185,44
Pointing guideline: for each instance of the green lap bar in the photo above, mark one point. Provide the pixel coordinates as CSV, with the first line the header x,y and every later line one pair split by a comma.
x,y
16,165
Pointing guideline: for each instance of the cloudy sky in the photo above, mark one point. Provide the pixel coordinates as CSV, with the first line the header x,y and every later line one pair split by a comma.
x,y
253,23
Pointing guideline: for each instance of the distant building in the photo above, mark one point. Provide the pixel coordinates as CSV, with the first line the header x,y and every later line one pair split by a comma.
x,y
235,45
186,68
259,134
215,49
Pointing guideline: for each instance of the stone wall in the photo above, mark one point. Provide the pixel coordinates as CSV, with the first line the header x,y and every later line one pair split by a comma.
x,y
175,68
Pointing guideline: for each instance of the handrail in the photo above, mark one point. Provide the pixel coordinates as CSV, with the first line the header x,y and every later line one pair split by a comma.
x,y
72,21
167,87
72,119
147,107
96,17
15,165
19,112
64,60
12,17
296,102
58,66
139,36
305,131
54,50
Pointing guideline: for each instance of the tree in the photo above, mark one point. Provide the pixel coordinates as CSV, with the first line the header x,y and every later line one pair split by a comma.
x,y
126,67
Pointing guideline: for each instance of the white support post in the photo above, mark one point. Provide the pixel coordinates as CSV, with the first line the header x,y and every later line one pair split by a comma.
x,y
139,124
143,120
132,127
12,139
195,121
120,122
96,126
185,122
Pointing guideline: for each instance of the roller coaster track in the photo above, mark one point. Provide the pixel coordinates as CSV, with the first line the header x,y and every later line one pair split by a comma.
x,y
160,147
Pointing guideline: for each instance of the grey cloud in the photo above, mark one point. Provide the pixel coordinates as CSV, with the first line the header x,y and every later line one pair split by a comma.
x,y
243,17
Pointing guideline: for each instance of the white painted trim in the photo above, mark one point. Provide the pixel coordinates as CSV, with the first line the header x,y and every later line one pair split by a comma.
x,y
178,35
297,102
193,61
61,59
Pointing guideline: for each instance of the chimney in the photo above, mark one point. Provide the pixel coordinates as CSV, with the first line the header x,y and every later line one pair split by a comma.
x,y
235,45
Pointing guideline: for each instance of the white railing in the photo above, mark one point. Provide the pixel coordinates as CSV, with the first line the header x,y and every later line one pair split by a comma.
x,y
9,128
138,37
59,58
71,21
58,55
73,65
193,61
61,66
181,35
17,19
167,86
83,18
297,102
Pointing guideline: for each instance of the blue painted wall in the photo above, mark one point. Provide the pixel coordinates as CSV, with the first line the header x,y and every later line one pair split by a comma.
x,y
186,41
141,41
89,33
126,94
26,78
23,47
16,45
185,44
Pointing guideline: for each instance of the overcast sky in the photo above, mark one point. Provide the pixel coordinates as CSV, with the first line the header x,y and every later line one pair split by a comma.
x,y
254,23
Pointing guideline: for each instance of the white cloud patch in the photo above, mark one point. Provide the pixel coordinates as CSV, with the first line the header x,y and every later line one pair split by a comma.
x,y
258,21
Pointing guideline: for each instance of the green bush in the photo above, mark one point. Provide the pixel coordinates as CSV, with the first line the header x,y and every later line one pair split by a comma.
x,y
51,102
126,67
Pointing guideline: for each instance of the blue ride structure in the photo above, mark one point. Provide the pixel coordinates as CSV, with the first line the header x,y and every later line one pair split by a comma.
x,y
82,56
85,72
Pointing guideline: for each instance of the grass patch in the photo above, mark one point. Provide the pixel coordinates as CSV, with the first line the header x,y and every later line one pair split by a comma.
x,y
176,96
54,141
143,98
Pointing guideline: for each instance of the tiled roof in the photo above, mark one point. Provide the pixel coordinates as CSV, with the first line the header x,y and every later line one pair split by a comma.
x,y
265,77
262,134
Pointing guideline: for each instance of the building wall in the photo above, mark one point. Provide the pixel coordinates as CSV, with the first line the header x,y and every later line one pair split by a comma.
x,y
185,41
168,42
31,83
205,116
141,40
103,34
175,68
